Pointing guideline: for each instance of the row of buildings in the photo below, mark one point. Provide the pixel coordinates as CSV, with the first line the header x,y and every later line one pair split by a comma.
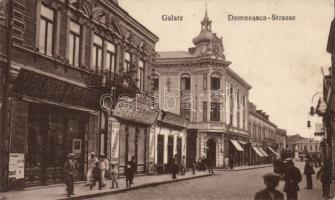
x,y
83,76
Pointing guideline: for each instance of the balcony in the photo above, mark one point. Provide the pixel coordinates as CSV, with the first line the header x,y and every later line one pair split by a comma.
x,y
101,78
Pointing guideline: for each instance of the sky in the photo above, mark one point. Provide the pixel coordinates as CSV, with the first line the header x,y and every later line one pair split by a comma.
x,y
281,60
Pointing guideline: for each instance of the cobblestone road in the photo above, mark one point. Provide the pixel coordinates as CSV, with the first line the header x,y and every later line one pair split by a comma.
x,y
224,185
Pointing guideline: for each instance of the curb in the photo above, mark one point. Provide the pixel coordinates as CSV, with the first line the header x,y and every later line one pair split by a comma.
x,y
134,188
242,169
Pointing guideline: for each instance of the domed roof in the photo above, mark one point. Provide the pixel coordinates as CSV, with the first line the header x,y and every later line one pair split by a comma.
x,y
204,36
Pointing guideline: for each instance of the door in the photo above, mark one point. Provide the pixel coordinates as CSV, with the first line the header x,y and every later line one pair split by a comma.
x,y
211,151
170,151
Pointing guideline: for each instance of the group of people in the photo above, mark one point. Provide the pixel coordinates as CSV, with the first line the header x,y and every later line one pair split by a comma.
x,y
98,167
178,166
203,164
292,177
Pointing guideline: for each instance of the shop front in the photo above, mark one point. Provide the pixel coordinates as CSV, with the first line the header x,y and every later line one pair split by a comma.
x,y
47,122
170,140
135,120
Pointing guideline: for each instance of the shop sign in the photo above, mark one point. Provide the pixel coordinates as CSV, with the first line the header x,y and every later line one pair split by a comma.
x,y
41,86
174,119
115,142
16,165
135,111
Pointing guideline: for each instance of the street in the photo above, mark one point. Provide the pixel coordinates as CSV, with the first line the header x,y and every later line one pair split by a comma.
x,y
224,185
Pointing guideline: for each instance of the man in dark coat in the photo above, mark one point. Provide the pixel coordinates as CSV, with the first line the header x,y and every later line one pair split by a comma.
x,y
174,167
210,164
271,181
325,176
309,171
292,179
133,167
69,172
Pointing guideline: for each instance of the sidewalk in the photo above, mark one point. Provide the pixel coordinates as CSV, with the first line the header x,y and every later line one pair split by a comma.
x,y
240,168
82,191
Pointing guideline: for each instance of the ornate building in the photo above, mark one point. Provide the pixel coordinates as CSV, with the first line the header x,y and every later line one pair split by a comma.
x,y
61,57
212,97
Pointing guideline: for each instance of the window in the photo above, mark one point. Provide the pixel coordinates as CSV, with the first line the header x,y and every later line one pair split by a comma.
x,y
46,31
110,57
155,82
238,99
231,104
238,119
215,111
127,61
205,82
215,82
204,110
97,53
185,111
74,44
140,75
185,82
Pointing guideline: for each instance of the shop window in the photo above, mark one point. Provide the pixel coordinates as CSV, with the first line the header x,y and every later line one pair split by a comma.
x,y
97,53
155,82
126,61
46,31
140,74
185,82
74,44
215,111
215,82
110,57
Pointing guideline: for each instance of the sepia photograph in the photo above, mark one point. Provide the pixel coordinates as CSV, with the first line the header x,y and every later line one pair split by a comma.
x,y
167,100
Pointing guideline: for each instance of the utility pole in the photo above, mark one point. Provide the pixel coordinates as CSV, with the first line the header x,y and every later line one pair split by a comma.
x,y
4,133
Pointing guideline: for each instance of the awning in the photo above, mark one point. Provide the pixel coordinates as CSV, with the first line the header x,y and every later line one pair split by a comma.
x,y
273,151
257,152
263,152
242,142
237,145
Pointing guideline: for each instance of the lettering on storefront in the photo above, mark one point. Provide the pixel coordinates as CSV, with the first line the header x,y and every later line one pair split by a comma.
x,y
174,119
135,111
45,87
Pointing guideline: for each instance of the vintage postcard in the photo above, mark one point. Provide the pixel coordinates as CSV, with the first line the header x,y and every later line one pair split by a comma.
x,y
179,99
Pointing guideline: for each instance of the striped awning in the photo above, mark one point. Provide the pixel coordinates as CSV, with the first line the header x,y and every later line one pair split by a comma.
x,y
273,151
257,152
263,152
237,145
242,142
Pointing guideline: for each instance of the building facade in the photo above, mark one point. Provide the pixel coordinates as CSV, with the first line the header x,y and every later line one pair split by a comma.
x,y
281,140
308,148
262,137
62,57
213,98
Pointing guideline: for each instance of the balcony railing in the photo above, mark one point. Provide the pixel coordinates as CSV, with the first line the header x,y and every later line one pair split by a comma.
x,y
101,78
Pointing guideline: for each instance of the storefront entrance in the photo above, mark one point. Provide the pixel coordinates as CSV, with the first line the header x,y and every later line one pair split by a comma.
x,y
211,151
53,132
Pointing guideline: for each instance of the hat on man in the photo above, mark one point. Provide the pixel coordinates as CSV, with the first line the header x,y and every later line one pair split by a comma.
x,y
70,155
271,177
102,155
92,153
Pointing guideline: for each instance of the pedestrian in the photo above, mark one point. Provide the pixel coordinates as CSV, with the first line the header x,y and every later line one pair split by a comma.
x,y
91,164
129,174
203,161
96,172
199,164
231,161
182,166
133,169
114,176
210,164
226,162
271,180
309,171
103,165
325,176
292,179
69,171
174,167
194,166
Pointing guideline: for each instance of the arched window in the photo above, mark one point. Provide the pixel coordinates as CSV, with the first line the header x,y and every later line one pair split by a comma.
x,y
215,81
185,82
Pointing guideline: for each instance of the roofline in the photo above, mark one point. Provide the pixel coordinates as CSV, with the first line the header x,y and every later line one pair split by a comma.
x,y
129,19
186,60
265,120
239,78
